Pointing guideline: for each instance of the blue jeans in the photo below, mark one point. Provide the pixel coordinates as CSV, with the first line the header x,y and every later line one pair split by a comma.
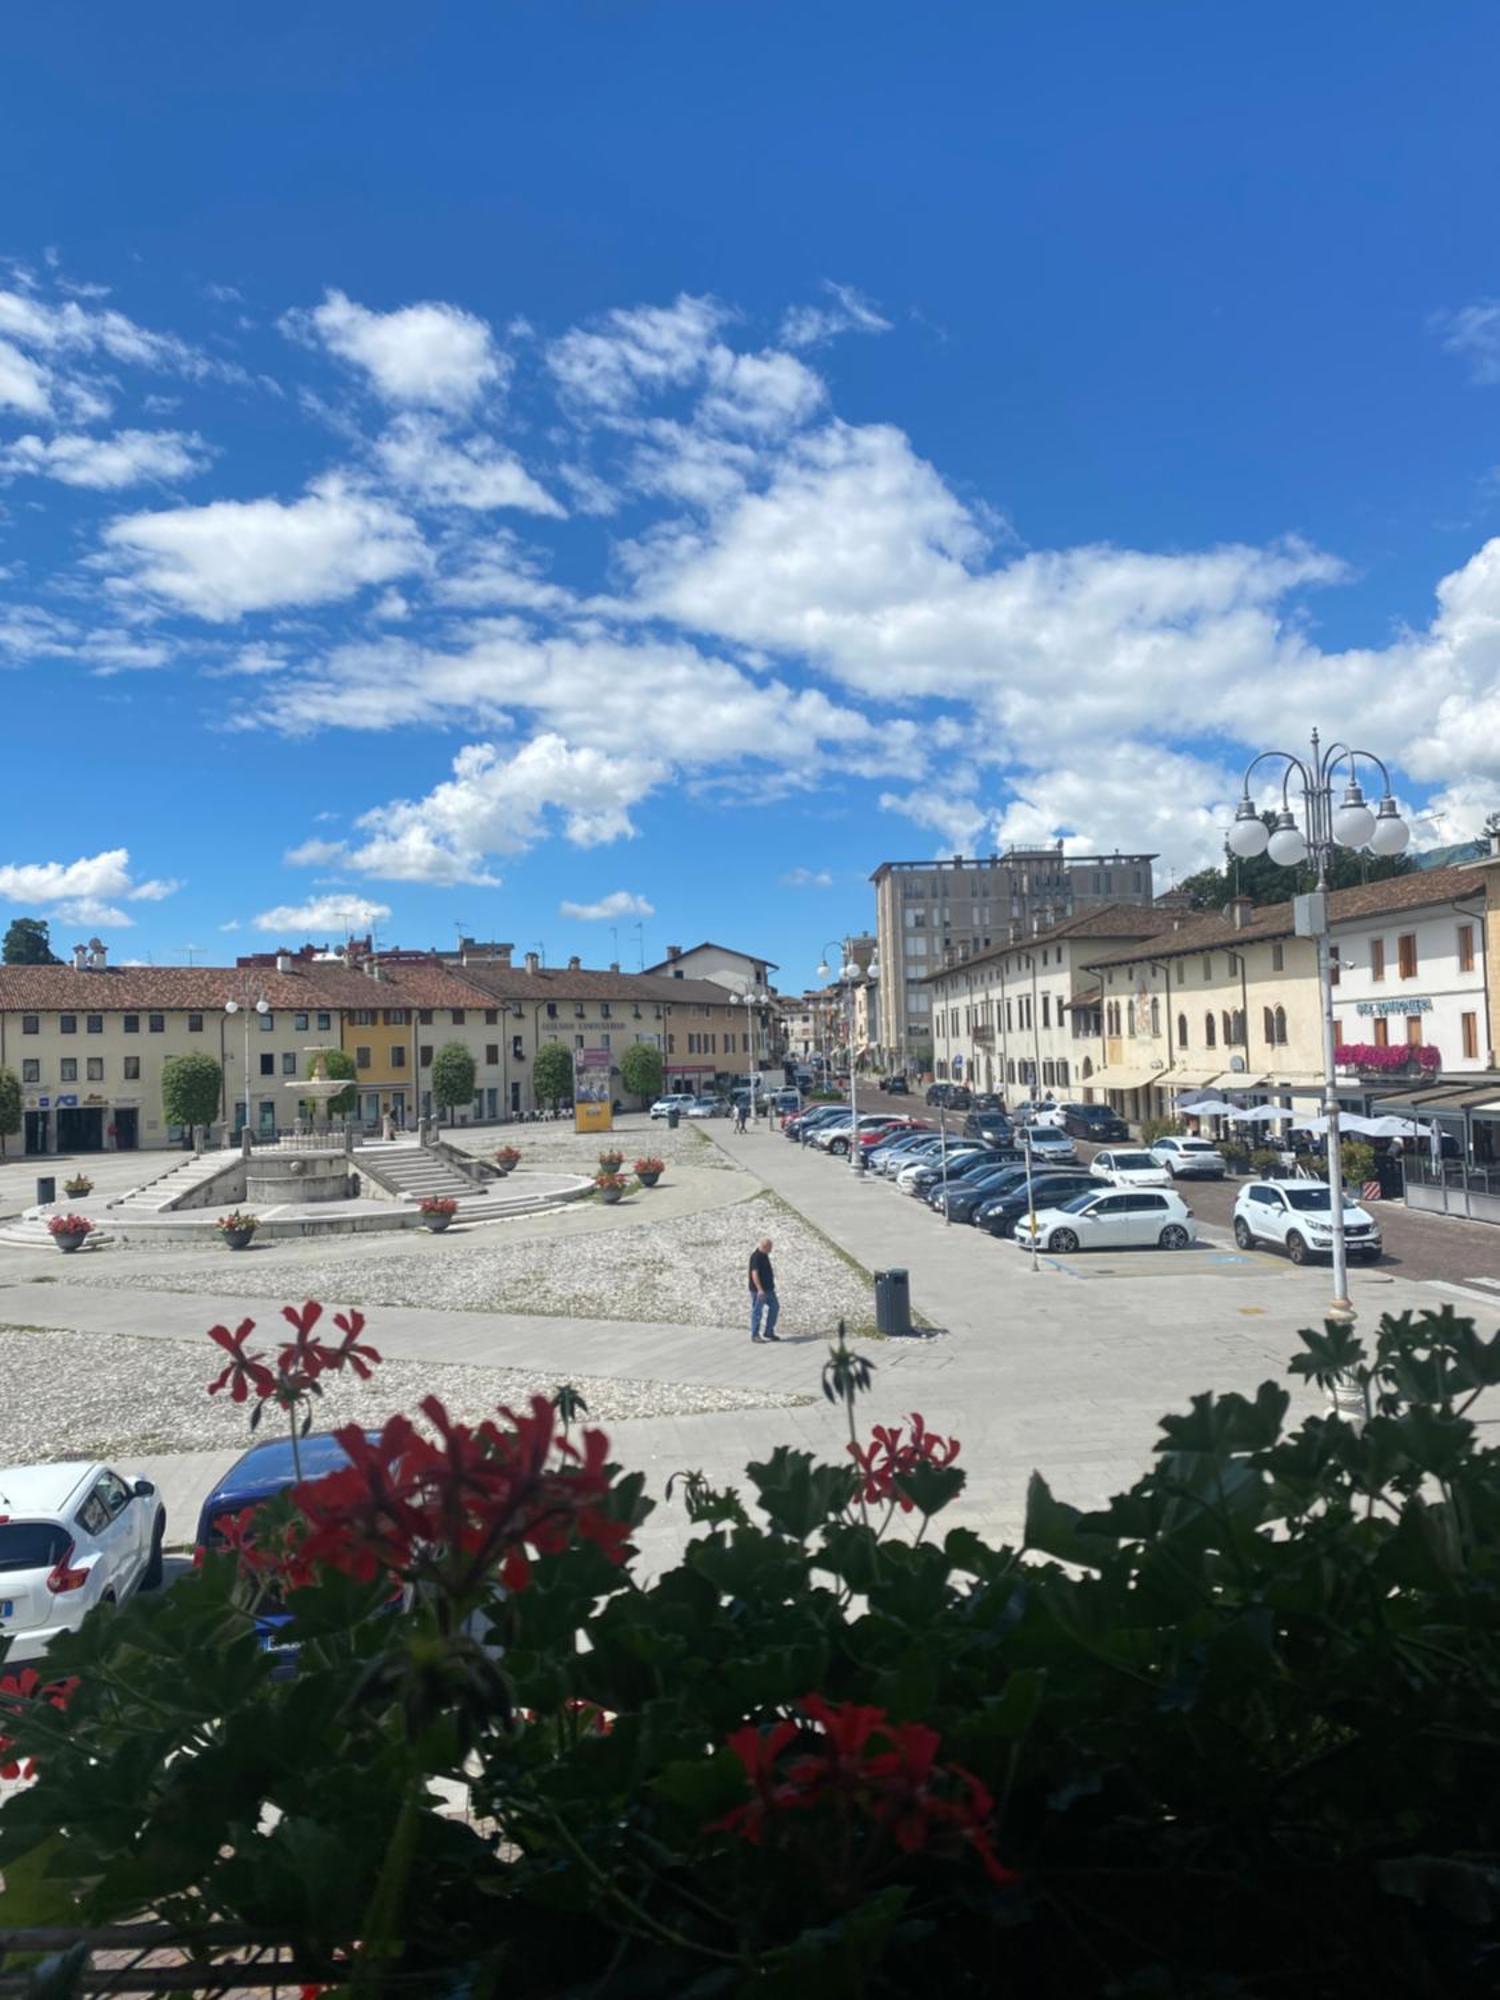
x,y
765,1303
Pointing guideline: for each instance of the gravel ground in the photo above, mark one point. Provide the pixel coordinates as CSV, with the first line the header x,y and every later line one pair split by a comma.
x,y
688,1272
125,1396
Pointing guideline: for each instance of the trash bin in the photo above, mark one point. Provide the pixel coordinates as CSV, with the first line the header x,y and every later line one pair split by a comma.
x,y
672,1117
892,1302
46,1190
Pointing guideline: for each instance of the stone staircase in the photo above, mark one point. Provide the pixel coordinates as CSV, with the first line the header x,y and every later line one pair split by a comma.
x,y
408,1171
169,1188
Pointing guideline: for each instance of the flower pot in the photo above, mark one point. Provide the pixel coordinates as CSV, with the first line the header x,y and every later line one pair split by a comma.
x,y
237,1239
503,1167
71,1241
609,1196
76,1189
649,1180
437,1223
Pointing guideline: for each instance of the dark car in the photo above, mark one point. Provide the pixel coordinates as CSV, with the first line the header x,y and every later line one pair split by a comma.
x,y
1094,1121
966,1197
991,1126
988,1100
939,1093
1001,1215
895,1086
934,1174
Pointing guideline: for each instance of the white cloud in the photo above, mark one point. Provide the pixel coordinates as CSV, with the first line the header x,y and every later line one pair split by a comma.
x,y
313,853
1133,797
91,910
106,463
232,925
156,890
85,891
233,556
636,349
322,913
499,804
430,355
416,456
620,903
1473,332
807,878
850,312
763,393
23,383
957,816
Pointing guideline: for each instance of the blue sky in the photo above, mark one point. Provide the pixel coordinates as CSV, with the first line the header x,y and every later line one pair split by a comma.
x,y
549,468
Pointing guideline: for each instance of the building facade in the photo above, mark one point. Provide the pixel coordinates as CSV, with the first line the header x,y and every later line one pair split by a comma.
x,y
930,913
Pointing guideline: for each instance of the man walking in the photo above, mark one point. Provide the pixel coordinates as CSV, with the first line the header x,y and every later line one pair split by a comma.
x,y
764,1303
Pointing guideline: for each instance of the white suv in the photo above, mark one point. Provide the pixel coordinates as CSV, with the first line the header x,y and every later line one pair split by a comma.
x,y
71,1536
1298,1215
1128,1166
1199,1158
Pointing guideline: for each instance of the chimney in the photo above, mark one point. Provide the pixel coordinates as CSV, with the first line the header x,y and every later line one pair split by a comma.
x,y
98,955
1240,911
502,954
674,951
283,962
614,965
532,961
575,965
80,957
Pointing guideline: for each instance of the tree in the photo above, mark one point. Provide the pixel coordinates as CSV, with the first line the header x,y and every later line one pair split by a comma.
x,y
10,1106
552,1078
339,1062
191,1088
641,1071
453,1075
28,942
1262,881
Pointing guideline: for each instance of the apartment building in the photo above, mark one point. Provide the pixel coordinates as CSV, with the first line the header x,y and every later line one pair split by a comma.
x,y
1020,1016
930,913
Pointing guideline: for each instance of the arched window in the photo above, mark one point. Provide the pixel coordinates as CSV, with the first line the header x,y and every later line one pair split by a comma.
x,y
1062,1071
1182,1031
1227,1020
1208,1028
1237,1026
1088,1067
1268,1024
1281,1025
1155,1015
1130,1018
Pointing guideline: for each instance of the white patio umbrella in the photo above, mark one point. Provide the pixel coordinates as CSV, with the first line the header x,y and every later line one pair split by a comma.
x,y
1392,1127
1261,1114
1211,1107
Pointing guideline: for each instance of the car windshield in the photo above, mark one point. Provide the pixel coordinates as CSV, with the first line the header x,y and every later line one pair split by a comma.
x,y
1196,1145
1308,1200
1132,1160
31,1545
1078,1204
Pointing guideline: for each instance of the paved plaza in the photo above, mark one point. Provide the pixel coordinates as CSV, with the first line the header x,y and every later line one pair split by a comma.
x,y
1066,1368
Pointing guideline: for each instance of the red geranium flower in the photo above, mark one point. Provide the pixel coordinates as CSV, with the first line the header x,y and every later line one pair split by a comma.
x,y
245,1371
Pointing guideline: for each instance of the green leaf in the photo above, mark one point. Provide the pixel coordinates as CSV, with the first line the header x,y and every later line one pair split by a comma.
x,y
1052,1527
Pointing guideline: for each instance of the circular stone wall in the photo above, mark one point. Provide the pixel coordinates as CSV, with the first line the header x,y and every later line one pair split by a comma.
x,y
276,1179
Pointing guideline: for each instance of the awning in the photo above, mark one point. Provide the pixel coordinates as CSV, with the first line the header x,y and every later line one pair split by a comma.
x,y
1428,1098
1186,1079
1124,1079
1238,1079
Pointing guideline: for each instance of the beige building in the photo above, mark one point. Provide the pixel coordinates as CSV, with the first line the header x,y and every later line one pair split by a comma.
x,y
929,914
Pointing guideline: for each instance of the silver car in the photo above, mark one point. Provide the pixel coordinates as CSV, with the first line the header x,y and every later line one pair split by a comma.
x,y
1196,1159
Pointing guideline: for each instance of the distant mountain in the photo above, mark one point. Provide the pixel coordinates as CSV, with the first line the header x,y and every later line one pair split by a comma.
x,y
1449,857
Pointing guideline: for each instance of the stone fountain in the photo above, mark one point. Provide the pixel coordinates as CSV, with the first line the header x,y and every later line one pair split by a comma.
x,y
304,1166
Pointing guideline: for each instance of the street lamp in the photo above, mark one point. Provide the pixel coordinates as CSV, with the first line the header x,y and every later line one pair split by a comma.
x,y
1323,827
235,1007
752,1000
860,967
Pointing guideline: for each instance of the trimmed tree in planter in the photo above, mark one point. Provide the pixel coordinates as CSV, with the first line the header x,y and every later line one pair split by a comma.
x,y
191,1088
552,1074
10,1106
641,1071
453,1075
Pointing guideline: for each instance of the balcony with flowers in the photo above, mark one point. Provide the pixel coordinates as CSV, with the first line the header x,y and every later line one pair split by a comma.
x,y
1371,1059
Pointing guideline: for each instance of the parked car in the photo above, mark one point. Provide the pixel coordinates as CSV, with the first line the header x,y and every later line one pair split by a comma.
x,y
891,1128
895,1086
812,1117
1010,1204
939,1093
920,1180
1112,1219
1049,1144
1048,1114
72,1535
836,1138
1196,1159
708,1107
1094,1121
988,1100
1130,1166
904,1150
990,1126
977,1178
1298,1217
923,1172
680,1101
783,1103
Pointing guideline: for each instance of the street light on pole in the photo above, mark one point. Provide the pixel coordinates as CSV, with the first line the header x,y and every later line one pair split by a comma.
x,y
247,1009
860,967
1323,827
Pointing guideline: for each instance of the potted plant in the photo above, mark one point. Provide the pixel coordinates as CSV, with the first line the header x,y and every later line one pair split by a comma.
x,y
506,1158
237,1228
650,1170
611,1161
610,1185
79,1184
68,1231
437,1211
1236,1155
1265,1163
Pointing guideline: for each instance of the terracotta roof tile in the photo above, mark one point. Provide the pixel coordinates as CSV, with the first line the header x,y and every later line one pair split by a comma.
x,y
1113,920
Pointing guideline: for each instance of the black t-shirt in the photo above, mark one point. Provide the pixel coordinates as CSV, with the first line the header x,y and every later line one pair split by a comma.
x,y
760,1267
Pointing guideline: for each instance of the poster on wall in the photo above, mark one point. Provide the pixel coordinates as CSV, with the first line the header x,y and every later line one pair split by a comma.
x,y
592,1105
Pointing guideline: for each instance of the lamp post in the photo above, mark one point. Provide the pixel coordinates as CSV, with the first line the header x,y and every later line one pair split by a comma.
x,y
860,967
752,999
1323,827
247,1008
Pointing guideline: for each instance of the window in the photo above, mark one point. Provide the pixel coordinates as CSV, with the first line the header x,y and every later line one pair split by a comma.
x,y
551,1010
578,1041
1406,954
67,1024
1268,1024
517,1052
398,1055
1130,1017
362,1017
1182,1031
31,1024
1466,947
1414,1031
1470,1025
31,1069
424,1016
267,1022
1338,1034
1228,1026
325,1022
362,1058
267,1063
395,1017
1046,1010
1381,1029
1155,1015
289,1062
299,1022
1237,1026
492,1053
68,1069
1280,1035
1334,967
457,1017
1208,965
491,1016
1278,957
424,1055
94,1069
1377,958
94,1023
156,1024
132,1069
604,1009
195,1024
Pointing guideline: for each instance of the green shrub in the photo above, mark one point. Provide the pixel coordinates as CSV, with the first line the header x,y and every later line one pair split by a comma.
x,y
1358,1161
1265,1160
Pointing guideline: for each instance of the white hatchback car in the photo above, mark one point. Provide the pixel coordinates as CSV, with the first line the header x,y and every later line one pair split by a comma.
x,y
1049,1145
1198,1159
1129,1166
1298,1215
680,1101
1113,1219
72,1535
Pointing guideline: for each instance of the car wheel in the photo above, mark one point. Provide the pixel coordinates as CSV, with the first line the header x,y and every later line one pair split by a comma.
x,y
1173,1237
1296,1248
152,1574
1242,1234
838,1146
1062,1239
